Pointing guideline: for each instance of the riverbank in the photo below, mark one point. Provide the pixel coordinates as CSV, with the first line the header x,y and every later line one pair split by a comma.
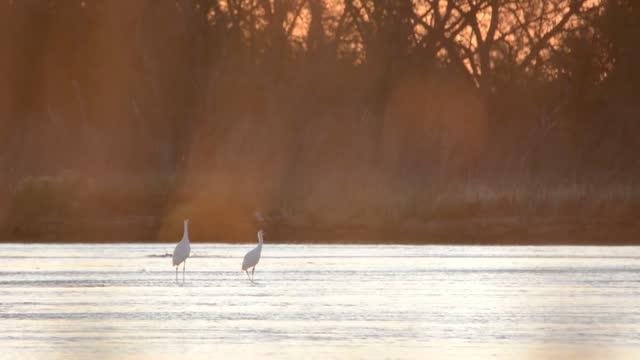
x,y
151,209
475,231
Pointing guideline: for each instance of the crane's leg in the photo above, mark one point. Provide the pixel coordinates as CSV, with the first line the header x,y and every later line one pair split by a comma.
x,y
176,273
248,275
252,271
184,267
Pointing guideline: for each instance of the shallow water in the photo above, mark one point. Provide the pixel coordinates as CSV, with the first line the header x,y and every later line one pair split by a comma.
x,y
113,301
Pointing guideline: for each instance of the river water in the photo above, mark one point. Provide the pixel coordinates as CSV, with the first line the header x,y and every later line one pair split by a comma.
x,y
117,301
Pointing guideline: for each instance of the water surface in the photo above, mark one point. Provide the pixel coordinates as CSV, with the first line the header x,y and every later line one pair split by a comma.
x,y
114,301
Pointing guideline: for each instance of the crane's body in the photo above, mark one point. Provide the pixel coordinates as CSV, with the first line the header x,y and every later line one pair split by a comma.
x,y
182,250
252,258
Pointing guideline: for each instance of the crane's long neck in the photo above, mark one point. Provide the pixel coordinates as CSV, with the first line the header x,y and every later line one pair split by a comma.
x,y
185,236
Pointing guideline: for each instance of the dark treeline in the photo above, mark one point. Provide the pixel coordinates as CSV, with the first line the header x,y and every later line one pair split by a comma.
x,y
369,117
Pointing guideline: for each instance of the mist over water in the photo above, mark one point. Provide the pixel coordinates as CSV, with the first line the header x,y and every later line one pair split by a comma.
x,y
398,122
122,301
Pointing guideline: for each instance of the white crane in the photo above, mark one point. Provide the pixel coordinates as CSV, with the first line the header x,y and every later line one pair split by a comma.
x,y
182,250
252,257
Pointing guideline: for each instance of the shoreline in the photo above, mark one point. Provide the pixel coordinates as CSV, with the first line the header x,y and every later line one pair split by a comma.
x,y
586,233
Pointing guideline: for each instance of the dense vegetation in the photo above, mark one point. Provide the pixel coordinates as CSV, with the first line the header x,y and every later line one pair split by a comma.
x,y
420,120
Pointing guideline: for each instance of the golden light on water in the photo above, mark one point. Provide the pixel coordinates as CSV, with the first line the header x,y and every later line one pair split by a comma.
x,y
113,301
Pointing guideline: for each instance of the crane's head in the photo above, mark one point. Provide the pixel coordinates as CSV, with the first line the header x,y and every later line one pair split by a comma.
x,y
186,221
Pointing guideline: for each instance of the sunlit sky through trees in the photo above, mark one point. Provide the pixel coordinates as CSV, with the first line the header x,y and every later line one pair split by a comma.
x,y
344,115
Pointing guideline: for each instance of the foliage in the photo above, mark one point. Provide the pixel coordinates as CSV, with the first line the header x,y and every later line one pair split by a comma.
x,y
329,109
